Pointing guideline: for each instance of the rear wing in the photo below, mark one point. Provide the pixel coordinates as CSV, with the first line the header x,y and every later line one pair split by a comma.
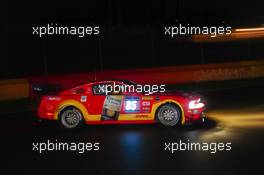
x,y
44,89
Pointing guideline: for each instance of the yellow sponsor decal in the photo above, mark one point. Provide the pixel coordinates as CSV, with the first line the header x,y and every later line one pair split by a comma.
x,y
134,117
142,116
79,106
147,97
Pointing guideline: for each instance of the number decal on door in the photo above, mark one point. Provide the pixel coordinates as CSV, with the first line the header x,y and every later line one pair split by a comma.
x,y
131,104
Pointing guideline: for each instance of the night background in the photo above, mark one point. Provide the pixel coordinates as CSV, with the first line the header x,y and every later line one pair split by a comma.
x,y
228,74
132,35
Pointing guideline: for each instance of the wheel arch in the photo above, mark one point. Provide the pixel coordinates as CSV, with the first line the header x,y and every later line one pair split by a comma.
x,y
173,102
71,103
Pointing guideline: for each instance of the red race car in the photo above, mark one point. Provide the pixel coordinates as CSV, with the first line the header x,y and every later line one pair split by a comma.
x,y
103,103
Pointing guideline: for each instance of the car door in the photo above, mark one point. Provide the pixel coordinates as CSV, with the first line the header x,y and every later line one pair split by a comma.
x,y
96,100
132,108
103,105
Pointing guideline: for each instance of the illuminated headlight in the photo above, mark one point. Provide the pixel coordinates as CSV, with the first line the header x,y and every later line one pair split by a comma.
x,y
195,104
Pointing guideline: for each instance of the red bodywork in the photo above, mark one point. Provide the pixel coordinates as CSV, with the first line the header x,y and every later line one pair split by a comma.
x,y
144,110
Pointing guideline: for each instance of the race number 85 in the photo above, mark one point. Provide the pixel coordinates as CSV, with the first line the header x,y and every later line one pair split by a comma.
x,y
131,105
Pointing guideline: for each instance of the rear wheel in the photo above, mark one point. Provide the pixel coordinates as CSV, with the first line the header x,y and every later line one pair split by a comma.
x,y
169,115
70,118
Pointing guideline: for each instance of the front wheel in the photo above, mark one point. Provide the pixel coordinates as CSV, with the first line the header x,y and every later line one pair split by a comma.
x,y
169,115
70,118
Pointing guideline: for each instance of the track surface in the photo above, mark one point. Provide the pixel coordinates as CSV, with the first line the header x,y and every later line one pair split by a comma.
x,y
235,116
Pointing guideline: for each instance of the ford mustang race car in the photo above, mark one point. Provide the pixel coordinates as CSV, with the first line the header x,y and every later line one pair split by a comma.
x,y
92,104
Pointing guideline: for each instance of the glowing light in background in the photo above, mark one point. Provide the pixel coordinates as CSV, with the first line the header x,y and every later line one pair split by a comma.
x,y
237,34
250,117
250,29
232,121
132,144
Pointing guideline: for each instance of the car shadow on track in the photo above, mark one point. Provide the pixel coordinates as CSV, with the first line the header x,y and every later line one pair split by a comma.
x,y
28,124
51,127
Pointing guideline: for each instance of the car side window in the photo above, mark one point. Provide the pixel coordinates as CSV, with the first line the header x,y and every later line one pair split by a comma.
x,y
107,89
98,89
102,89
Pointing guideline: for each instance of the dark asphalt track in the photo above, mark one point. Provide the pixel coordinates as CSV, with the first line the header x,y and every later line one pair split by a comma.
x,y
235,116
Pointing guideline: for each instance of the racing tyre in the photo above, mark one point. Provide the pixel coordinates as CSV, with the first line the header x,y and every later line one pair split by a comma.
x,y
169,115
70,118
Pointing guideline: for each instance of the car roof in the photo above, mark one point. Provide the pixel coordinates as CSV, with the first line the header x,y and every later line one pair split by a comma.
x,y
113,80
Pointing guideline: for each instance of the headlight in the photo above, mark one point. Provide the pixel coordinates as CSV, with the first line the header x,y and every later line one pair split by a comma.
x,y
195,104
